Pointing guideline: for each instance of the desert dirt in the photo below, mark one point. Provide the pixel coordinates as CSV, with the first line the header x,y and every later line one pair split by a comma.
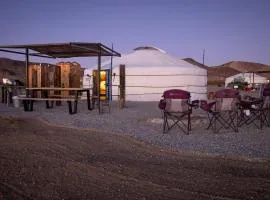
x,y
41,161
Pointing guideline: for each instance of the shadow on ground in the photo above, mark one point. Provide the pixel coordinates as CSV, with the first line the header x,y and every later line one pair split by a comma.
x,y
38,161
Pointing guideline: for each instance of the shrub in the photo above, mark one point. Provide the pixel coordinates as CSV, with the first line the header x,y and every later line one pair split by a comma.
x,y
239,82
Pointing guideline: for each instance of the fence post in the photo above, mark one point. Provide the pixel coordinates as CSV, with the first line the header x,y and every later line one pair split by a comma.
x,y
122,86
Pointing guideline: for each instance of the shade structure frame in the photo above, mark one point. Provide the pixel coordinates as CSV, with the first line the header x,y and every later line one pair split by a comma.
x,y
62,50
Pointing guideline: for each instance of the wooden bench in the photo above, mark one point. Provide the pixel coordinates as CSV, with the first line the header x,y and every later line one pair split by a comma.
x,y
29,101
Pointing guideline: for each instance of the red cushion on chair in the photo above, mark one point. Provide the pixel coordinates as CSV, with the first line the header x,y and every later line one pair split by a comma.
x,y
206,106
176,94
227,93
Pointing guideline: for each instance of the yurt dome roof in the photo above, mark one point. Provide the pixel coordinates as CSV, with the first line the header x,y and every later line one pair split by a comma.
x,y
149,48
149,56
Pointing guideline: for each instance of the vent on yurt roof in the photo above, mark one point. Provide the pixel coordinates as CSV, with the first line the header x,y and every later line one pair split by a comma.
x,y
149,48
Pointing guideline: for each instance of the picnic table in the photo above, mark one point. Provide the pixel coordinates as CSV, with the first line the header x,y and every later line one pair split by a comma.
x,y
50,98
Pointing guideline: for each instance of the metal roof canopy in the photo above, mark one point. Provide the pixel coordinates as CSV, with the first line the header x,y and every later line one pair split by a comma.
x,y
63,50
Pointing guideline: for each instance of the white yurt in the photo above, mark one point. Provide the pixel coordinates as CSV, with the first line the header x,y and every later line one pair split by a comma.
x,y
247,77
150,71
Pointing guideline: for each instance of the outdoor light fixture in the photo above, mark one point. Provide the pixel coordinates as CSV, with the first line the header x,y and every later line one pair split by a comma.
x,y
6,81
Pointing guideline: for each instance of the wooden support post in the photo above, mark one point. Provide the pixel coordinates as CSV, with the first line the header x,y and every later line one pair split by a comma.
x,y
122,86
38,78
98,79
26,66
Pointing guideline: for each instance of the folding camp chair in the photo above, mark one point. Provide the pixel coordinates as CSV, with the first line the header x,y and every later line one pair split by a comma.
x,y
222,113
250,111
176,108
256,111
265,119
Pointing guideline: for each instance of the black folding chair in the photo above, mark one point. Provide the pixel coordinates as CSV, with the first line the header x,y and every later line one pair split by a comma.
x,y
222,113
250,112
255,111
176,108
266,107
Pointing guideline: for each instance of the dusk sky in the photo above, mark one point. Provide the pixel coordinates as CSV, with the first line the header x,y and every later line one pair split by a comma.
x,y
227,30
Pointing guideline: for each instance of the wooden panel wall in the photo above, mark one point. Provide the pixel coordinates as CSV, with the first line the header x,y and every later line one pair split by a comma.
x,y
63,74
44,75
34,74
75,75
71,75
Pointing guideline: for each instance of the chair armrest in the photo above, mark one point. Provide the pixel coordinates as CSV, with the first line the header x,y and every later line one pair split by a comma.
x,y
194,104
207,106
162,104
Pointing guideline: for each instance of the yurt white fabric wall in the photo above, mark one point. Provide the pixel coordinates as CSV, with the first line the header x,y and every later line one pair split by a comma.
x,y
150,71
248,77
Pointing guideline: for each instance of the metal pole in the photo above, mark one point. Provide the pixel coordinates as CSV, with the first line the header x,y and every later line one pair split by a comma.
x,y
203,56
110,86
98,76
253,79
27,69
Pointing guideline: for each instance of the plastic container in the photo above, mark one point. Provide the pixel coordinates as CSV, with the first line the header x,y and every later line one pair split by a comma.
x,y
16,101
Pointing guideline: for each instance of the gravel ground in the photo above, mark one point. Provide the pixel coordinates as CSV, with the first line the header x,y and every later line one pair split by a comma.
x,y
142,120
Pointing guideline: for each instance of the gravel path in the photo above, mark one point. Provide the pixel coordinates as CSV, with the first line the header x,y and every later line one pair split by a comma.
x,y
142,120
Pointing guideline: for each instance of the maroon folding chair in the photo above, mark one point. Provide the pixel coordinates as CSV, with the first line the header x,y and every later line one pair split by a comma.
x,y
222,113
176,108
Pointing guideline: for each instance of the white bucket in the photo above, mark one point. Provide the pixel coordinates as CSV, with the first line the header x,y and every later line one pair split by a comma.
x,y
16,101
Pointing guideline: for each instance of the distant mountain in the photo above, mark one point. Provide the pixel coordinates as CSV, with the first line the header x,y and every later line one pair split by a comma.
x,y
218,74
243,66
13,69
194,62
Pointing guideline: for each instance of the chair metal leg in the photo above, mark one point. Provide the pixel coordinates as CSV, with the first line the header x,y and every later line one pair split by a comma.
x,y
165,122
189,123
176,121
228,120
